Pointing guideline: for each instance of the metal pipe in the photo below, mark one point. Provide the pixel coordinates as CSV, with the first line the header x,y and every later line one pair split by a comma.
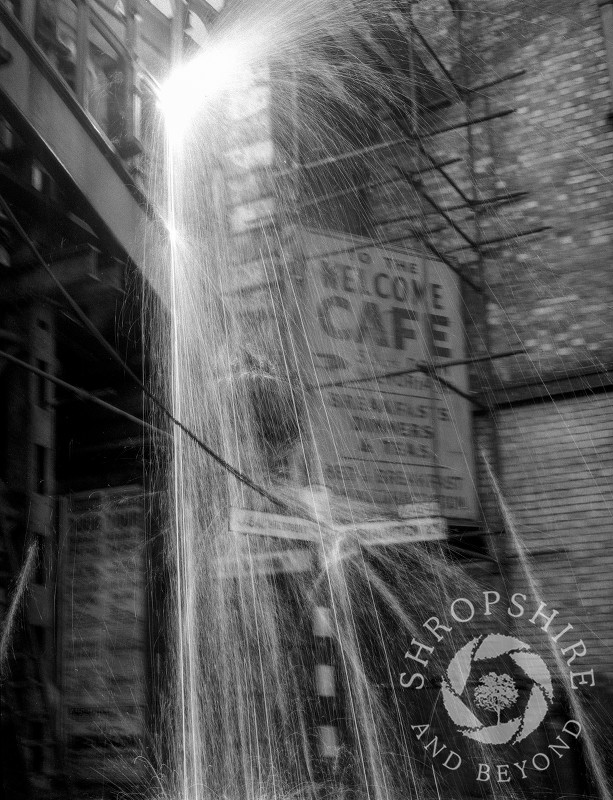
x,y
436,206
361,151
455,363
507,237
467,122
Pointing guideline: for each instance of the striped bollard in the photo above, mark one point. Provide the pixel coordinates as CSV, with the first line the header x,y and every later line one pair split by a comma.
x,y
325,686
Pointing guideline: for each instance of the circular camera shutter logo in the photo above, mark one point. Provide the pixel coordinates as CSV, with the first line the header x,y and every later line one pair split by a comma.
x,y
496,691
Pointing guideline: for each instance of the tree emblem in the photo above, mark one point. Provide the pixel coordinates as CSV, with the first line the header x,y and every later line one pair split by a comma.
x,y
495,693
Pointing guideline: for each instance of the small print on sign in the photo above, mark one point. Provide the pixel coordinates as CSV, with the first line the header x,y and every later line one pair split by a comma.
x,y
371,311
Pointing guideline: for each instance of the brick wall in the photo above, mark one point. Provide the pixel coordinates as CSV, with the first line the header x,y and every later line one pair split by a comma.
x,y
549,292
557,478
552,291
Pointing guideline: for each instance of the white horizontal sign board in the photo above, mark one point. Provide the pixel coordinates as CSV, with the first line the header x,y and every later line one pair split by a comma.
x,y
386,532
261,523
268,563
375,532
367,311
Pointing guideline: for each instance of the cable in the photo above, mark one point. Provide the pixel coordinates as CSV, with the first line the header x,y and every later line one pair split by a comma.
x,y
82,394
240,476
420,368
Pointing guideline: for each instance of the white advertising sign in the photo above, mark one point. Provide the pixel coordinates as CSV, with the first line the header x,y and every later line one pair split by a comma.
x,y
263,523
367,311
104,634
388,532
374,532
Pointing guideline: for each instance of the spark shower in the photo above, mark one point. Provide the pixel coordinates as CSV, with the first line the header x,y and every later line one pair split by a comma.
x,y
292,681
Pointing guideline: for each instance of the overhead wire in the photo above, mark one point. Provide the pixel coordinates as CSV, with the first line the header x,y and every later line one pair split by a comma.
x,y
88,396
232,470
82,394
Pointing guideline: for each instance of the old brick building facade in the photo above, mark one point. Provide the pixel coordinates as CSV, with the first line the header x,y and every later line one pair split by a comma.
x,y
481,138
536,165
505,173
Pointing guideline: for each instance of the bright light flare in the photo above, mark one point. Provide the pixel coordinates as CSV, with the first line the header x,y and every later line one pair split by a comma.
x,y
174,236
197,81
